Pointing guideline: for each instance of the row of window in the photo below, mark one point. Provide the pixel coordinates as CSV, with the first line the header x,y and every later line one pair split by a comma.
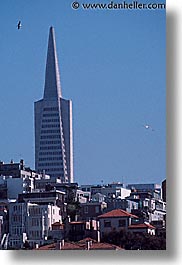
x,y
49,153
121,223
16,231
51,109
35,222
50,131
35,234
49,147
51,125
50,120
57,136
17,218
58,158
50,142
17,207
58,175
34,211
51,115
49,164
58,169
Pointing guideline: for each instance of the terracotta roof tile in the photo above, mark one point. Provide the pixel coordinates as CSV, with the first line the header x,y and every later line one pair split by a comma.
x,y
67,246
117,213
141,226
81,245
71,246
86,240
104,246
47,247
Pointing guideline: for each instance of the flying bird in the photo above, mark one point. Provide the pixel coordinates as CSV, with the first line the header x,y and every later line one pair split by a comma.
x,y
19,25
147,127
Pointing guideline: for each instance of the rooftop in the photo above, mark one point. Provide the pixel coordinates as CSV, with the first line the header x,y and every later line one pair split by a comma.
x,y
117,213
141,226
82,245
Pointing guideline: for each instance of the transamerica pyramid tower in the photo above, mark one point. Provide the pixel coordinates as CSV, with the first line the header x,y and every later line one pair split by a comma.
x,y
53,123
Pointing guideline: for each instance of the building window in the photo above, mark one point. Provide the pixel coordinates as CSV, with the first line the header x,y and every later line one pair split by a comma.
x,y
50,137
122,223
51,126
51,109
57,158
86,209
97,209
107,223
49,131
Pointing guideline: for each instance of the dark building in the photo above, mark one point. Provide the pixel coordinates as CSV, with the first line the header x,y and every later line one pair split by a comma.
x,y
164,190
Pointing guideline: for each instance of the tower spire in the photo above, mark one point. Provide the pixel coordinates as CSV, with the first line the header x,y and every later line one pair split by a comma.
x,y
52,88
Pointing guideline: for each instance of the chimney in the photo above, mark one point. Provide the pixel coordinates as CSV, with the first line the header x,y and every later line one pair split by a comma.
x,y
98,236
88,244
58,245
76,217
36,246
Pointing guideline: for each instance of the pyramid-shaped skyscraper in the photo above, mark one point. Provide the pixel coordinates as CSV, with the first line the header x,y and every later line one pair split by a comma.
x,y
53,123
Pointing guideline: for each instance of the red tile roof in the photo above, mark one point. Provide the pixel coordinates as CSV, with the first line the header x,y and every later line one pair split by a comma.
x,y
71,246
117,213
141,226
104,246
67,246
81,245
86,239
47,247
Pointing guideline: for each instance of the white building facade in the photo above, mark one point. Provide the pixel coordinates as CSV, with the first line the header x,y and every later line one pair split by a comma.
x,y
31,222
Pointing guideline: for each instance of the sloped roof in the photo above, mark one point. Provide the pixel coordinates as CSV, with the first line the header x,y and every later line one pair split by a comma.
x,y
81,245
86,239
141,226
117,213
104,246
67,246
52,87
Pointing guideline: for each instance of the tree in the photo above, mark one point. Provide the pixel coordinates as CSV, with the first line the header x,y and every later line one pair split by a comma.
x,y
133,241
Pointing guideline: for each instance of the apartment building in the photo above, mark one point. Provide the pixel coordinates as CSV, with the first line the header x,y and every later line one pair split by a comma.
x,y
31,222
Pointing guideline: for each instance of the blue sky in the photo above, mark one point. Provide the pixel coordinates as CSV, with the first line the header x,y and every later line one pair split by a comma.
x,y
112,65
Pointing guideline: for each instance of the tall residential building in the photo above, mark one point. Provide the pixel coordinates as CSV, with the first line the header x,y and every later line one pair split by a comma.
x,y
53,123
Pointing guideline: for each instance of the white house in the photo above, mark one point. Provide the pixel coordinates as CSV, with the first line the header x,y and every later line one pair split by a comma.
x,y
115,220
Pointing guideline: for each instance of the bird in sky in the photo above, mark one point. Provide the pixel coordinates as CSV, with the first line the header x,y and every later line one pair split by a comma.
x,y
19,25
147,127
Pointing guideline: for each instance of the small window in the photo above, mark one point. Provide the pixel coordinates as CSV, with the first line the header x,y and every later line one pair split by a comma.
x,y
107,223
96,209
86,209
122,223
